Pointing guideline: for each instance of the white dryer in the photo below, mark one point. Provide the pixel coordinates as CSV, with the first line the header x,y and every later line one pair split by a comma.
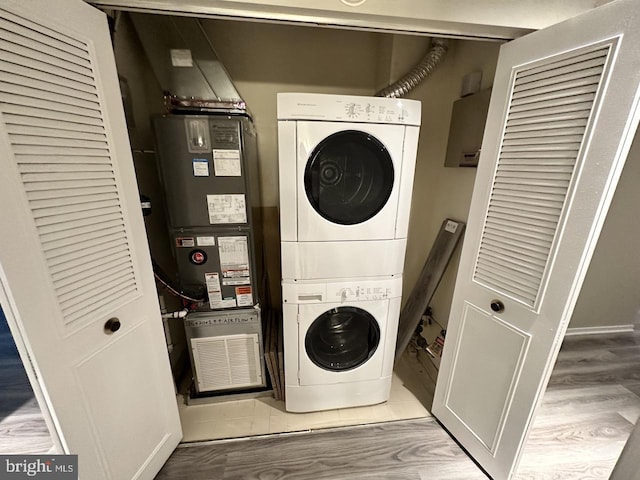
x,y
346,167
339,342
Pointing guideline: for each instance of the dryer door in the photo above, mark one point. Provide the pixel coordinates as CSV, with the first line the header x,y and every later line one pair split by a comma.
x,y
348,177
342,342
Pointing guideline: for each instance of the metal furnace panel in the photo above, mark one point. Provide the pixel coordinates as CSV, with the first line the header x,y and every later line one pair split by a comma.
x,y
220,263
203,167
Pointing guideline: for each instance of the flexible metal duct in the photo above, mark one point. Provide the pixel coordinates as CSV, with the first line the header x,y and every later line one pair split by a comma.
x,y
421,71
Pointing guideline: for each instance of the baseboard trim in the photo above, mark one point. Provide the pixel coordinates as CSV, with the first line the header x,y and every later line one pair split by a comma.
x,y
599,330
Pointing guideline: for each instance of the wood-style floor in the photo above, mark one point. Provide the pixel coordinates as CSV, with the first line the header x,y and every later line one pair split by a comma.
x,y
587,414
22,427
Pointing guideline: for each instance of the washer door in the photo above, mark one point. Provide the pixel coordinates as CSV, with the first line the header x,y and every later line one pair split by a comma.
x,y
349,177
341,342
342,338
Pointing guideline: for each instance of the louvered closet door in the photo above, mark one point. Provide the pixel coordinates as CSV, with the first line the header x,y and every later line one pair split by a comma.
x,y
562,116
73,248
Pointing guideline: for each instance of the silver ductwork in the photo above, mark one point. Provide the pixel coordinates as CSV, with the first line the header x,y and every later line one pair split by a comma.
x,y
421,71
186,65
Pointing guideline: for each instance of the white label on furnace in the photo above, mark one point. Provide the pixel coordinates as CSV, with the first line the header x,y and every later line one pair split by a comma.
x,y
226,163
181,58
234,257
227,208
200,167
206,241
236,281
226,303
213,287
451,226
244,296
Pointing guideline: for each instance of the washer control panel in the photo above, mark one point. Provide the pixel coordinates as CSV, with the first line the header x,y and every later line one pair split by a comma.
x,y
357,290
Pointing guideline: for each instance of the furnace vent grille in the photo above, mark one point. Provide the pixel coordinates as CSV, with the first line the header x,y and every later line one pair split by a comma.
x,y
230,361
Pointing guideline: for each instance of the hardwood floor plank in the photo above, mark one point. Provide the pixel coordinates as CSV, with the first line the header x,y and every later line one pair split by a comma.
x,y
585,418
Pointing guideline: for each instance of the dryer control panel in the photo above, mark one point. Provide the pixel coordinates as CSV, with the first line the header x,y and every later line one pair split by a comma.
x,y
348,108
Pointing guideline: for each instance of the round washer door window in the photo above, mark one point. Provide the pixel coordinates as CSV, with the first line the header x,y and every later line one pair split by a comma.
x,y
349,177
342,338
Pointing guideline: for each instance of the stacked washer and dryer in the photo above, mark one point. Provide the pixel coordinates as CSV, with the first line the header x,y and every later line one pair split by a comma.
x,y
346,168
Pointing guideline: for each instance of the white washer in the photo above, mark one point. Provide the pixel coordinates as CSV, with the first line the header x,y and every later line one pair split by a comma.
x,y
339,342
346,167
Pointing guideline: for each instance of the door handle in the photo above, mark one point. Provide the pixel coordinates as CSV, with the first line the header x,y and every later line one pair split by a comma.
x,y
112,326
497,306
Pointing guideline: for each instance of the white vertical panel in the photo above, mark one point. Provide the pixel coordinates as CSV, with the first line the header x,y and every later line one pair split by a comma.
x,y
54,119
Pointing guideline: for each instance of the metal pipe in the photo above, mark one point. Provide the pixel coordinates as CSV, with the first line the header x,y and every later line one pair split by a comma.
x,y
421,71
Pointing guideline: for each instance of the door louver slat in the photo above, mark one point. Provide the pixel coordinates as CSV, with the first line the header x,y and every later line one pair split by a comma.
x,y
52,107
73,233
566,115
91,222
34,101
28,89
521,280
77,295
99,299
82,246
32,64
50,125
564,65
76,193
103,250
532,244
53,245
555,84
568,102
44,34
56,119
55,210
79,199
549,111
558,94
14,38
64,167
41,85
71,272
570,73
17,129
516,231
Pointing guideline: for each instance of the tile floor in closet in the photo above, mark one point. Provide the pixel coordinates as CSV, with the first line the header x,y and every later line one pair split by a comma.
x,y
411,396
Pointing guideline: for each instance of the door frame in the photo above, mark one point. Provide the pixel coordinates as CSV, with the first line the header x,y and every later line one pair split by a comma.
x,y
39,391
13,317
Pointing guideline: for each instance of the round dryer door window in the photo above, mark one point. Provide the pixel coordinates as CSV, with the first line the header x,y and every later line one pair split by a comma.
x,y
349,177
342,338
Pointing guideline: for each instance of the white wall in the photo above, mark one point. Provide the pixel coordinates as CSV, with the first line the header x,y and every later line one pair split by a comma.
x,y
610,295
441,192
264,59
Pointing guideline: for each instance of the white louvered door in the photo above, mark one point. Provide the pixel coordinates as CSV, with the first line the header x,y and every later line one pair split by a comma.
x,y
73,251
563,113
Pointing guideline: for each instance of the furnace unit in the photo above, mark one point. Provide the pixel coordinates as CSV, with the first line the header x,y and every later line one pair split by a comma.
x,y
208,166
